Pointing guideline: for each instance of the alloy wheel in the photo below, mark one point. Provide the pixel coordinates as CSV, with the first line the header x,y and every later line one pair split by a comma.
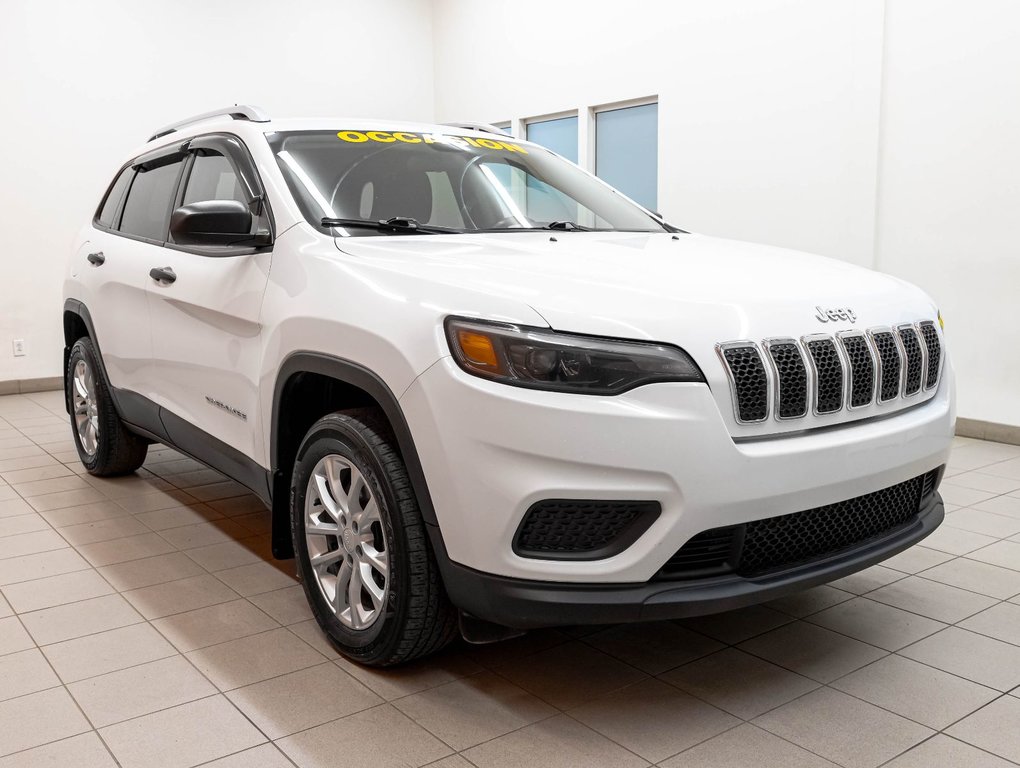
x,y
346,542
86,411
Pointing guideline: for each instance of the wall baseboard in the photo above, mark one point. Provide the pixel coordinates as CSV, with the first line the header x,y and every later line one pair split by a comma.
x,y
25,386
988,430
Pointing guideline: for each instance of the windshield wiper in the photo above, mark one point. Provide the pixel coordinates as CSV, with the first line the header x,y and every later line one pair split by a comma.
x,y
393,224
565,226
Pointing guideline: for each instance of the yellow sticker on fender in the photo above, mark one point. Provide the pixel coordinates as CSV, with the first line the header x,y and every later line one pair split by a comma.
x,y
392,137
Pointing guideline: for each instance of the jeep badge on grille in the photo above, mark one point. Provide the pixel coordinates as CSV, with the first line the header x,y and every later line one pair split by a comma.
x,y
836,314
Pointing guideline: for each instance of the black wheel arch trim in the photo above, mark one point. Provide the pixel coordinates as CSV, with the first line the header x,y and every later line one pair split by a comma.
x,y
77,307
355,375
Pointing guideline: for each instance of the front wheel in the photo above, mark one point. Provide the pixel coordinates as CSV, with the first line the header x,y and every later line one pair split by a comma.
x,y
363,553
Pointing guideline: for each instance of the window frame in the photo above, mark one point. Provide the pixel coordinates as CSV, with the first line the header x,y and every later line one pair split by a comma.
x,y
237,153
153,157
233,148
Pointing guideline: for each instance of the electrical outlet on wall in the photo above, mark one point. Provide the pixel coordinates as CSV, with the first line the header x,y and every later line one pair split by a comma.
x,y
19,348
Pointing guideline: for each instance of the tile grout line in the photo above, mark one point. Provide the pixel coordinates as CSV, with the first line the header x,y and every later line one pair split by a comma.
x,y
582,640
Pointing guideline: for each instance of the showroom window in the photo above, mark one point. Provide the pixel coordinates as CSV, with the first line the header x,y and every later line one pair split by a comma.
x,y
147,209
537,200
559,135
213,178
627,151
112,202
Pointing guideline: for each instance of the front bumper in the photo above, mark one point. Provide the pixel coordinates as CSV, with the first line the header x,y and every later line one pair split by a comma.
x,y
526,604
489,451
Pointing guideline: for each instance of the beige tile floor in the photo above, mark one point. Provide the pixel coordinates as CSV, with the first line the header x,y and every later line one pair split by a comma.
x,y
144,623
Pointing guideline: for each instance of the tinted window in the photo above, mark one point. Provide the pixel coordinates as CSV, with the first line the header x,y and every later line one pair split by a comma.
x,y
112,202
213,178
147,209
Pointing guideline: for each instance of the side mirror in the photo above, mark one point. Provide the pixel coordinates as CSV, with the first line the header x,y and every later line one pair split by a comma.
x,y
213,222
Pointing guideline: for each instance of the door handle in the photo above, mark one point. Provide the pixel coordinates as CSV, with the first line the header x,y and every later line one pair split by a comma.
x,y
97,258
162,274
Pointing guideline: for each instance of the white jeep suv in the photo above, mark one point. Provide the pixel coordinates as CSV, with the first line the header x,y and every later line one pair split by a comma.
x,y
483,391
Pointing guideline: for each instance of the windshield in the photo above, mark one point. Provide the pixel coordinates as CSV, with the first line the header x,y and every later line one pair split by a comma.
x,y
459,183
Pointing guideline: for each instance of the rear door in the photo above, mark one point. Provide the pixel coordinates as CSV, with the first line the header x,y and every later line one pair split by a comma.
x,y
206,326
128,234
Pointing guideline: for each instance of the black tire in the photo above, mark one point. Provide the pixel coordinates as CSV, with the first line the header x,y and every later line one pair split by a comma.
x,y
417,618
117,451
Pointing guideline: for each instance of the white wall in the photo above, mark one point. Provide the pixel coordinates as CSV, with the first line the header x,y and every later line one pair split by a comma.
x,y
768,109
83,82
949,197
883,132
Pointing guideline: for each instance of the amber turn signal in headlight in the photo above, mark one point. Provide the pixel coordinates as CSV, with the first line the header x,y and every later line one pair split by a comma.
x,y
477,349
539,358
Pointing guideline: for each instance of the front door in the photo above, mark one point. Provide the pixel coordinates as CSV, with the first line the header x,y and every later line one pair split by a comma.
x,y
205,305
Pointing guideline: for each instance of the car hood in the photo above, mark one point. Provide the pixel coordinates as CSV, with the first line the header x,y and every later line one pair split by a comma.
x,y
689,290
685,289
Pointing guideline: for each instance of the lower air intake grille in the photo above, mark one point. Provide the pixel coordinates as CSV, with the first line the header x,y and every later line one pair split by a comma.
x,y
828,375
750,383
786,541
571,529
889,359
931,341
862,370
915,360
708,552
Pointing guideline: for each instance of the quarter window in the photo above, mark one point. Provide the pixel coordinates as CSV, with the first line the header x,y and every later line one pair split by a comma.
x,y
147,208
112,203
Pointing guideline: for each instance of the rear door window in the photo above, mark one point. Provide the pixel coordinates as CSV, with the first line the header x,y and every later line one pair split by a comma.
x,y
147,208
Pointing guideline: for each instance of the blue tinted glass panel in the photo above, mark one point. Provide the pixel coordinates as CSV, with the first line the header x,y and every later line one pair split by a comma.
x,y
627,151
558,135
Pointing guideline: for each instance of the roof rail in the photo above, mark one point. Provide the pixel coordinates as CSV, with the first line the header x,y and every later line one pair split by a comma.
x,y
237,112
480,127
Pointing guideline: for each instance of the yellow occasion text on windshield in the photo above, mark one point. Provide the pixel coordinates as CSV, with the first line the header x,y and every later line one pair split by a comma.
x,y
391,137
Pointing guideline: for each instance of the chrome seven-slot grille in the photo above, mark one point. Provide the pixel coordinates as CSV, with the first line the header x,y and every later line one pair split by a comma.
x,y
822,374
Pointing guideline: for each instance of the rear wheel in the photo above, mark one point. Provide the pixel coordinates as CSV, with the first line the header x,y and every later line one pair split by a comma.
x,y
363,552
104,445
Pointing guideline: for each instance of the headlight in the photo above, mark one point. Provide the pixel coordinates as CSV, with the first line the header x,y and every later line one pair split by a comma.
x,y
542,359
